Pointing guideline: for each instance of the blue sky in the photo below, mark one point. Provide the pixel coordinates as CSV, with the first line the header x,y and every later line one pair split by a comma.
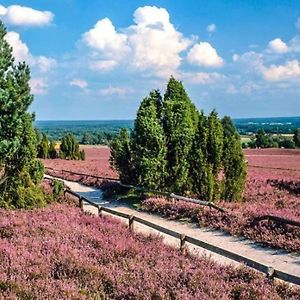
x,y
98,59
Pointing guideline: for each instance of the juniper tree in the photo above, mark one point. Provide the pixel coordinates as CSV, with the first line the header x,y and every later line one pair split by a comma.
x,y
69,148
121,157
171,135
52,151
198,159
233,162
148,143
20,172
214,142
179,121
43,147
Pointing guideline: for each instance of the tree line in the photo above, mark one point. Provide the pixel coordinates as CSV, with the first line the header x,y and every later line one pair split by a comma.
x,y
175,147
265,140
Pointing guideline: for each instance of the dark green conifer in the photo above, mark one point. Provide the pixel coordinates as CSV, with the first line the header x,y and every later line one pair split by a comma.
x,y
20,173
179,121
148,142
234,162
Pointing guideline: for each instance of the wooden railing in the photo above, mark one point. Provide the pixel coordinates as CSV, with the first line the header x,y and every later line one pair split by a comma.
x,y
141,189
276,219
273,168
183,239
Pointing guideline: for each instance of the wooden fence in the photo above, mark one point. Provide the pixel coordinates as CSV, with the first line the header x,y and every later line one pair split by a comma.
x,y
276,219
183,239
142,189
273,168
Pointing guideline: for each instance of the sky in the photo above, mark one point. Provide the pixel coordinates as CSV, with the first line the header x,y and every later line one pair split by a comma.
x,y
96,60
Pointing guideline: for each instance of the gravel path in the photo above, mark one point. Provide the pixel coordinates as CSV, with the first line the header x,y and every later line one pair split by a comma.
x,y
277,259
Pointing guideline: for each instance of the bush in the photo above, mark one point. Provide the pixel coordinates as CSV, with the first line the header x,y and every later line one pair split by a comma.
x,y
58,189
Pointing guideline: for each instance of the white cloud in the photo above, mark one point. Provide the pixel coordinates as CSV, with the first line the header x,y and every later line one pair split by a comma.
x,y
249,61
151,44
278,46
3,10
109,91
44,63
22,15
103,65
38,86
20,49
104,38
79,83
294,44
203,77
290,70
235,57
156,44
211,28
203,54
21,53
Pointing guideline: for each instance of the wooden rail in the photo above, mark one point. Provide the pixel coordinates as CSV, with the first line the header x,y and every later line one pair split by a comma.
x,y
275,219
142,189
273,168
183,239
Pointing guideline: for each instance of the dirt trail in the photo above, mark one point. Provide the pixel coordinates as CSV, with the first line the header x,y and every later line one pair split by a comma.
x,y
278,259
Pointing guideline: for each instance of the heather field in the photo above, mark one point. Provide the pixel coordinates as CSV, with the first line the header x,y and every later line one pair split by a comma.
x,y
268,191
96,163
64,253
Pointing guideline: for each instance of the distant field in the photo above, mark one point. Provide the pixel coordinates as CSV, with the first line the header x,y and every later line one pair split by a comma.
x,y
97,162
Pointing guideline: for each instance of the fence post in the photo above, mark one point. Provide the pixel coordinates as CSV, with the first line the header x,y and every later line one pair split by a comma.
x,y
270,273
99,210
182,243
131,220
81,203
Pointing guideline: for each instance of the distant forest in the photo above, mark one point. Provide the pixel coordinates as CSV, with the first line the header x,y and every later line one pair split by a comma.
x,y
101,132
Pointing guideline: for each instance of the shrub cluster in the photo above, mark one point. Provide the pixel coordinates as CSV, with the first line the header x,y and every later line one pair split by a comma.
x,y
61,253
69,148
264,140
264,197
174,147
236,222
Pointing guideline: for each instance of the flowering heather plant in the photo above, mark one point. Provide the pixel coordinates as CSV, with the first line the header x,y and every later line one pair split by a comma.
x,y
61,253
268,191
238,219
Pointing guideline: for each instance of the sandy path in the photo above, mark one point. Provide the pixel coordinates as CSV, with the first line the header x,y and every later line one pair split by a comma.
x,y
277,259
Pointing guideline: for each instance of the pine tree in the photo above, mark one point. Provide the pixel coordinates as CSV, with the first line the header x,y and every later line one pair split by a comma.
x,y
179,121
20,172
234,162
148,143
